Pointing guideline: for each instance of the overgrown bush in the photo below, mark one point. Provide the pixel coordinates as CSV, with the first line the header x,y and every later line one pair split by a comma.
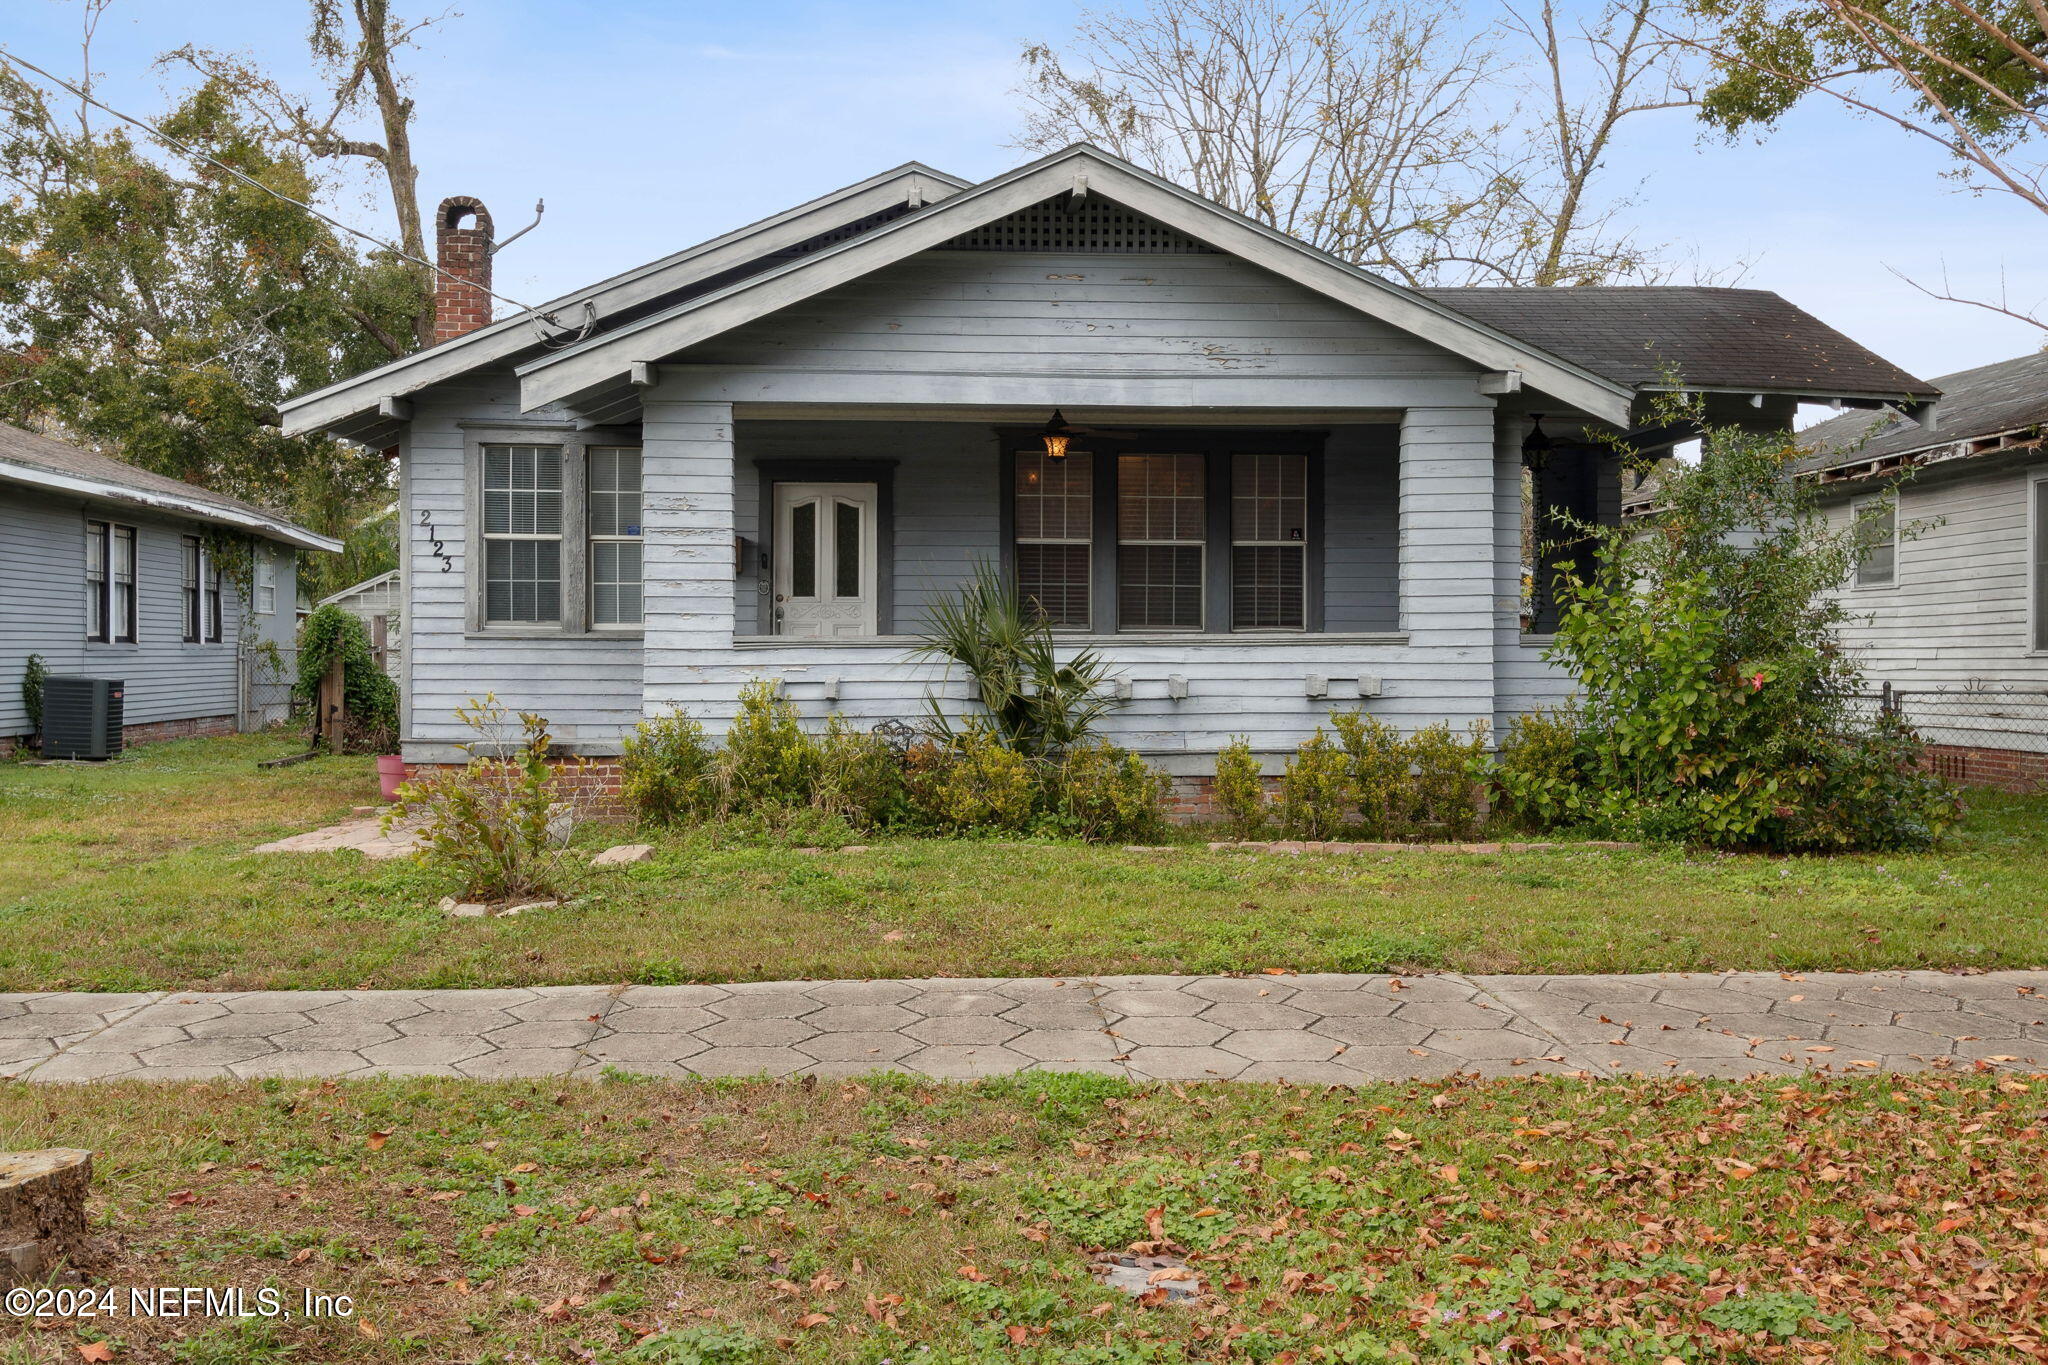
x,y
1718,703
1443,774
1379,763
1537,763
1103,793
1316,796
667,770
768,760
1240,788
860,777
33,675
368,695
497,822
970,784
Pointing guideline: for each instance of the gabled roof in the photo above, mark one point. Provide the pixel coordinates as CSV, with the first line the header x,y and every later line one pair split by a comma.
x,y
1745,340
604,359
33,461
1983,410
352,407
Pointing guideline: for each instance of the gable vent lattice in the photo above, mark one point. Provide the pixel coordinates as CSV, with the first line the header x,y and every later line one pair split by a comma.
x,y
1065,224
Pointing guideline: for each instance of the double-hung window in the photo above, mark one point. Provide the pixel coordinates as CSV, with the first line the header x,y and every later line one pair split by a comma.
x,y
110,608
266,584
522,502
612,503
2038,493
1877,540
201,597
1055,536
1162,541
1268,541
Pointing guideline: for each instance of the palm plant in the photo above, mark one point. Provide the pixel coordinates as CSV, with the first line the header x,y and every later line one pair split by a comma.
x,y
1034,703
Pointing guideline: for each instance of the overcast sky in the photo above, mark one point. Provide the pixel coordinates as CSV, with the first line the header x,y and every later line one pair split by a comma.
x,y
651,124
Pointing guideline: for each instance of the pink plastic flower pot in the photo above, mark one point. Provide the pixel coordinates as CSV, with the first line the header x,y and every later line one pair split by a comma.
x,y
390,772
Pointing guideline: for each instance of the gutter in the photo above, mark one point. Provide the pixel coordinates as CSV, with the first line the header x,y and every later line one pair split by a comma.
x,y
271,528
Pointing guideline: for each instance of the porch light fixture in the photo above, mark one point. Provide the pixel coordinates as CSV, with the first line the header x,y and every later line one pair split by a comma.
x,y
1057,436
1536,446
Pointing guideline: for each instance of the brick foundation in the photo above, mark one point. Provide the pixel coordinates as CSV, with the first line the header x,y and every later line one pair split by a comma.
x,y
599,783
2006,770
192,728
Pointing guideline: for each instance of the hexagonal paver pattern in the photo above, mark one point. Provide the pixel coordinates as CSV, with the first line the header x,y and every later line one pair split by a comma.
x,y
1325,1028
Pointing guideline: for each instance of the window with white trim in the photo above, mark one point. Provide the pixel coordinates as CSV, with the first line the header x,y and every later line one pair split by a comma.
x,y
522,524
266,584
1877,540
1162,541
110,593
612,510
1055,536
192,559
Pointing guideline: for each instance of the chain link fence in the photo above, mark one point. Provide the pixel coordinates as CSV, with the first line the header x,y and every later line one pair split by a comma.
x,y
267,674
1986,735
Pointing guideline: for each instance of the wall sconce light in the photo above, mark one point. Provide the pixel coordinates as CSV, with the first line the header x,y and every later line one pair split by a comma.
x,y
1536,446
1057,436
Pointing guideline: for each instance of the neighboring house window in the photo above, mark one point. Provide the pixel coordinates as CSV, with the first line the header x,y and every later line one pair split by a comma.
x,y
1162,535
266,584
110,615
1055,536
202,601
2040,491
1269,542
1877,538
612,508
522,489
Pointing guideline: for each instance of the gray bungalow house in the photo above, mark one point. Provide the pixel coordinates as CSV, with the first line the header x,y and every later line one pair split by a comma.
x,y
1263,482
105,572
1951,605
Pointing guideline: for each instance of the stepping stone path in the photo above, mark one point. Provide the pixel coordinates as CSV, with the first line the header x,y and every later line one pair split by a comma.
x,y
1311,1028
366,837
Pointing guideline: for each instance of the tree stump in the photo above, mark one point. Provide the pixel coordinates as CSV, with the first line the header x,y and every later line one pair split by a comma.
x,y
42,1212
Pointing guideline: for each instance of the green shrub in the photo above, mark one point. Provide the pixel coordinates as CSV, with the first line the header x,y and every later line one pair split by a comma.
x,y
1240,789
371,698
666,770
768,760
1444,772
497,822
1872,792
860,777
33,675
971,784
1315,791
1539,771
1379,770
1106,794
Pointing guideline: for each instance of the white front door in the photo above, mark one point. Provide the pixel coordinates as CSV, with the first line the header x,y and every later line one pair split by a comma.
x,y
824,579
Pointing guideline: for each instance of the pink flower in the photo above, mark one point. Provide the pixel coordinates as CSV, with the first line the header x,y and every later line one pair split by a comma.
x,y
1756,682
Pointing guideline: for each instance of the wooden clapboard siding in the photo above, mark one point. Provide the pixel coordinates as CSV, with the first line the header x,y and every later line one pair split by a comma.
x,y
43,606
1080,316
588,686
1958,611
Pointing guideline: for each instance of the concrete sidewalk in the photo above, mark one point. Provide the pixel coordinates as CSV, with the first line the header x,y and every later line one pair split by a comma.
x,y
1317,1029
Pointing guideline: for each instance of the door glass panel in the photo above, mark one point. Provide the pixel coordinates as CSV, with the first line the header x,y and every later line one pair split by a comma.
x,y
803,550
846,548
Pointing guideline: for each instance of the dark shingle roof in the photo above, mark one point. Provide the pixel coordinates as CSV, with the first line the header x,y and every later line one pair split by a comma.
x,y
19,447
1987,401
1712,338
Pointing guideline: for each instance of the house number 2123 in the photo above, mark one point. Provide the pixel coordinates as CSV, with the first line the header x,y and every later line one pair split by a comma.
x,y
440,551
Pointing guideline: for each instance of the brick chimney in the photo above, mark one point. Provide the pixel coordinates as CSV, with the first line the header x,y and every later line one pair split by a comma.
x,y
461,303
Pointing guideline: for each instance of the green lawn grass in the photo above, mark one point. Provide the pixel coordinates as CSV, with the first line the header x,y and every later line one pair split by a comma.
x,y
137,874
633,1222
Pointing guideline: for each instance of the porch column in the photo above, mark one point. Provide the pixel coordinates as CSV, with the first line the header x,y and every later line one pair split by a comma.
x,y
687,522
1447,554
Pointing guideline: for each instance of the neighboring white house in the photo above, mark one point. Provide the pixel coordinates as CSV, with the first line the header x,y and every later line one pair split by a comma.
x,y
1287,484
1952,605
106,571
378,602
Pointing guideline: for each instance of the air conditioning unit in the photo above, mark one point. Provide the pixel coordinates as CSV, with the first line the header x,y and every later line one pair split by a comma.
x,y
81,718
